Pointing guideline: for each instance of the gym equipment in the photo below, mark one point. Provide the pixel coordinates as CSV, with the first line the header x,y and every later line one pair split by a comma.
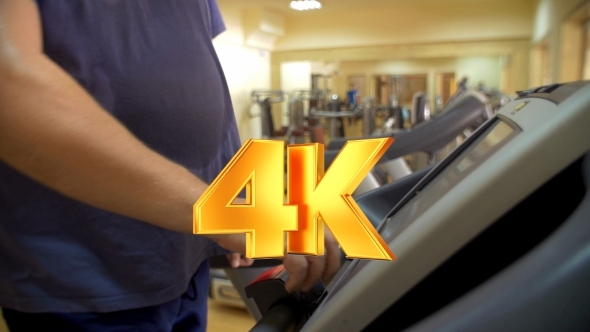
x,y
302,100
494,238
399,116
265,99
298,122
466,112
269,294
369,116
469,107
226,284
221,288
394,113
419,113
421,110
333,112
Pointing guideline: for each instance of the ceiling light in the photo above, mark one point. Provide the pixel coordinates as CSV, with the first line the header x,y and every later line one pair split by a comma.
x,y
306,4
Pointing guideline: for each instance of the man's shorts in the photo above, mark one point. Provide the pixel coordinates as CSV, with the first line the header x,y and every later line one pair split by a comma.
x,y
185,313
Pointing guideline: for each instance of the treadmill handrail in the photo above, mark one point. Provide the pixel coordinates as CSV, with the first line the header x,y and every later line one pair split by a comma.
x,y
429,136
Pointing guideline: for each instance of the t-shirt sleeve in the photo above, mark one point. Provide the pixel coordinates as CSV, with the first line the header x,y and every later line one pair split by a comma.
x,y
217,24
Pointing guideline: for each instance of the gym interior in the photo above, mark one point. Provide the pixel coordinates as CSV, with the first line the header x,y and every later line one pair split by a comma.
x,y
292,75
450,81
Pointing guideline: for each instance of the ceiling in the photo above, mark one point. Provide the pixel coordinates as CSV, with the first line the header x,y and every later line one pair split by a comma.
x,y
333,7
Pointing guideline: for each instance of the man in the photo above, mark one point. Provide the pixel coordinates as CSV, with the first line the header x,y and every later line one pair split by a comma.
x,y
114,116
352,100
352,96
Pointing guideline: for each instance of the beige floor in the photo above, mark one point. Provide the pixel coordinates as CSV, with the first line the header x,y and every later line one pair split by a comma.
x,y
223,318
3,327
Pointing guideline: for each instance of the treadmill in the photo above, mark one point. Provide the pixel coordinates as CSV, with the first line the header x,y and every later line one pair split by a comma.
x,y
463,115
467,111
496,237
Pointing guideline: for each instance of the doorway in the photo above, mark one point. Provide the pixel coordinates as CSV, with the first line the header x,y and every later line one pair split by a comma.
x,y
403,87
445,86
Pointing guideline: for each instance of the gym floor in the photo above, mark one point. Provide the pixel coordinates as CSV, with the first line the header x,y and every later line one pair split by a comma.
x,y
225,318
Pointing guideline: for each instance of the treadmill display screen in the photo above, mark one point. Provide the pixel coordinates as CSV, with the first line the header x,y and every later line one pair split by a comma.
x,y
484,146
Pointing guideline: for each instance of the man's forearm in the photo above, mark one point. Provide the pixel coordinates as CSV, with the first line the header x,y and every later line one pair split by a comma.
x,y
54,132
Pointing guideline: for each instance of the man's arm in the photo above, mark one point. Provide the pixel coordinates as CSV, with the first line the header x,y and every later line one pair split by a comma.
x,y
54,132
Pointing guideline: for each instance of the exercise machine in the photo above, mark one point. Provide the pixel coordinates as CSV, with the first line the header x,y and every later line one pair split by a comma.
x,y
301,105
495,237
459,118
393,112
330,108
297,123
221,288
465,112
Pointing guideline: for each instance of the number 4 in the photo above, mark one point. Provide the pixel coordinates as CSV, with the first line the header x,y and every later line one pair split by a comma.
x,y
314,198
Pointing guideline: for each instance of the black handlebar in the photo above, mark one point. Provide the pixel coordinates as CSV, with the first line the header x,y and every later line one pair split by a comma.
x,y
280,318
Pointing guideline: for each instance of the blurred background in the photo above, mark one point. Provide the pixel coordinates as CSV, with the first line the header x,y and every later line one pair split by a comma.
x,y
389,51
385,47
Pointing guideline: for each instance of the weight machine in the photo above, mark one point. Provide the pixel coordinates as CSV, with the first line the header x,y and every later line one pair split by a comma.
x,y
265,99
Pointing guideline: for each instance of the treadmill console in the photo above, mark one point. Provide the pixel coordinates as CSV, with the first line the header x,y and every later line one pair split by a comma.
x,y
528,142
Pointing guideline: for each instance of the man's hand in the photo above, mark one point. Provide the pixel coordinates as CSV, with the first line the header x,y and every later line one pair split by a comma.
x,y
236,260
305,271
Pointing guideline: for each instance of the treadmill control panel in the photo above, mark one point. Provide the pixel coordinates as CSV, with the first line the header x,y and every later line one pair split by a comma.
x,y
525,144
555,93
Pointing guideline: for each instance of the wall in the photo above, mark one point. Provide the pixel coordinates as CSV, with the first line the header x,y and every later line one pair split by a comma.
x,y
246,69
296,76
407,33
476,69
497,33
483,68
550,13
564,39
370,69
505,62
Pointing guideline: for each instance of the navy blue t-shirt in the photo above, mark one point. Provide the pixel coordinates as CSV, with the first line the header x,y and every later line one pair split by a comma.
x,y
150,63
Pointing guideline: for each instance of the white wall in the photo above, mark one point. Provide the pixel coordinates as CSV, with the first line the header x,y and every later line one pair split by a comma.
x,y
550,16
550,13
246,69
476,69
294,76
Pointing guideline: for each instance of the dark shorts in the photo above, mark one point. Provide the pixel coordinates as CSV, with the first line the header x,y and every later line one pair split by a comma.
x,y
185,313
